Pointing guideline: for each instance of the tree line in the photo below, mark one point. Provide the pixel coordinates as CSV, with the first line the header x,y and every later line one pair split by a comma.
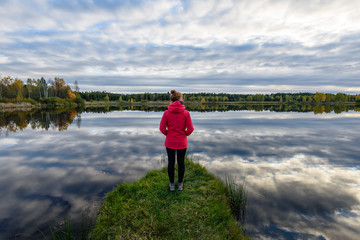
x,y
106,96
14,89
293,98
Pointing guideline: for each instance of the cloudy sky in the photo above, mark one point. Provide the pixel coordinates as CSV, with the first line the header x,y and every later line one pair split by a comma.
x,y
243,46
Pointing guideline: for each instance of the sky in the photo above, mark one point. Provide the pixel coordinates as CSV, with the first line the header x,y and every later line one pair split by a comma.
x,y
234,46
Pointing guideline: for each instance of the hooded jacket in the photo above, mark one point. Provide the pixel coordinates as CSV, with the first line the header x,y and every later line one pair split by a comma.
x,y
176,125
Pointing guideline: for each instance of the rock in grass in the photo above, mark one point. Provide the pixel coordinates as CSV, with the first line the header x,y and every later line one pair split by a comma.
x,y
146,209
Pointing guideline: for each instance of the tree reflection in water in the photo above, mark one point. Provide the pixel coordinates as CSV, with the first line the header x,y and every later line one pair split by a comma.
x,y
38,119
60,119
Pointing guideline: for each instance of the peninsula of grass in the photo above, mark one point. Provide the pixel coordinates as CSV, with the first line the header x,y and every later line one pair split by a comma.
x,y
146,209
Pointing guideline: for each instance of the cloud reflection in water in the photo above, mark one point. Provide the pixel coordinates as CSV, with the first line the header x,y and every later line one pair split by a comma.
x,y
301,170
301,173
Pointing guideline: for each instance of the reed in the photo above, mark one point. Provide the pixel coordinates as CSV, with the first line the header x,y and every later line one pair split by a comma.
x,y
237,197
66,231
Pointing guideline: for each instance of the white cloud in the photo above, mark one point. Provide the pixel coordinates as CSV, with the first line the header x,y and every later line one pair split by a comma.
x,y
7,142
3,59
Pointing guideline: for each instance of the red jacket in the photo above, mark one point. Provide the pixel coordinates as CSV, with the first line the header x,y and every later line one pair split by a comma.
x,y
176,125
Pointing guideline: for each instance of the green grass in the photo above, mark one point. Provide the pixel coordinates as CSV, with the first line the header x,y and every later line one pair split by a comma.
x,y
146,209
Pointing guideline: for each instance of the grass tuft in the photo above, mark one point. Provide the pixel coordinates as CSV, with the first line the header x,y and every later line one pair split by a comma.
x,y
237,197
65,230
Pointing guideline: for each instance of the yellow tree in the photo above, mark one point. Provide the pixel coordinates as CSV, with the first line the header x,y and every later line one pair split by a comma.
x,y
18,88
70,94
319,97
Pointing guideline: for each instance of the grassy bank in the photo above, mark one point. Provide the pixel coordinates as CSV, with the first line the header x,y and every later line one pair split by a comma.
x,y
28,104
146,209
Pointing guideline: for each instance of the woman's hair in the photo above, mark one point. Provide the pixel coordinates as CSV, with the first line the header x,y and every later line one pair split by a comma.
x,y
175,96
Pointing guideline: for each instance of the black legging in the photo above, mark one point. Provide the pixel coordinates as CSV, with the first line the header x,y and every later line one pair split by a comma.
x,y
180,160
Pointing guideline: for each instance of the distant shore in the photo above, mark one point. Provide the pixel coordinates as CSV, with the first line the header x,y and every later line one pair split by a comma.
x,y
28,106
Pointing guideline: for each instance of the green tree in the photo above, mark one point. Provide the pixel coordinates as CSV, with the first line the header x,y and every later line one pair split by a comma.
x,y
259,97
287,98
44,87
340,97
330,97
29,87
249,98
347,98
357,98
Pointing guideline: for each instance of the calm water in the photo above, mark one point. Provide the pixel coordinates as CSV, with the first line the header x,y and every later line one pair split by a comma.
x,y
301,170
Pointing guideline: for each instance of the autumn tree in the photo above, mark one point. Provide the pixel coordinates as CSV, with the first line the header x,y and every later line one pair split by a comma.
x,y
319,97
17,89
59,88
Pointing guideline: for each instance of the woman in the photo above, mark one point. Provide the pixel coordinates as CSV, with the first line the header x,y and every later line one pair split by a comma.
x,y
176,125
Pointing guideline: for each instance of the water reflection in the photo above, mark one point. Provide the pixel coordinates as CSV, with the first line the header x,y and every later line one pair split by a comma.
x,y
37,119
60,119
301,169
212,107
301,172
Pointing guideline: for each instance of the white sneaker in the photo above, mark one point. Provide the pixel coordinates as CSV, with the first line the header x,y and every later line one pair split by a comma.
x,y
172,187
180,186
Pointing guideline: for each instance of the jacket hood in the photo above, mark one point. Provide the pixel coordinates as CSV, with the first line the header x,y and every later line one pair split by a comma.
x,y
176,107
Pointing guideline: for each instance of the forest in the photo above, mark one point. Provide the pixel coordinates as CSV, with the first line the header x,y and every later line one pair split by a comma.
x,y
38,90
55,90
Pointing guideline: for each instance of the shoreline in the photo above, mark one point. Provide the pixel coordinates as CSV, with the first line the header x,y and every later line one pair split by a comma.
x,y
27,106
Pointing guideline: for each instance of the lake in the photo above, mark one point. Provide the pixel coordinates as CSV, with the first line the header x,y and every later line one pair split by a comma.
x,y
301,169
